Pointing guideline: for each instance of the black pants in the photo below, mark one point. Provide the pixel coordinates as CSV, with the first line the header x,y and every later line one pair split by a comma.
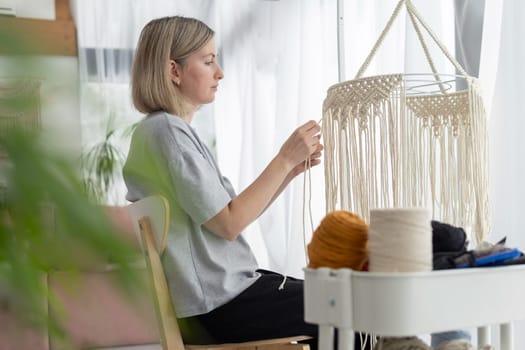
x,y
263,311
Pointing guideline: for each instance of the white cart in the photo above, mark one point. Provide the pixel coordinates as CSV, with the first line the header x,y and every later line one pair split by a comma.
x,y
407,304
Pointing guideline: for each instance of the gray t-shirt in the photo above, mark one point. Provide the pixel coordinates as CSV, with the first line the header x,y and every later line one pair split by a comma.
x,y
204,271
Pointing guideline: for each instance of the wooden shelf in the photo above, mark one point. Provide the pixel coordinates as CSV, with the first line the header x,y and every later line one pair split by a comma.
x,y
24,36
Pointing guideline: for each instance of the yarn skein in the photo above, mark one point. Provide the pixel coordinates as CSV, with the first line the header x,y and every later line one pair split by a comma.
x,y
400,240
341,240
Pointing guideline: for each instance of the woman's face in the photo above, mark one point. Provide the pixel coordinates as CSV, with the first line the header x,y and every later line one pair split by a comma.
x,y
198,79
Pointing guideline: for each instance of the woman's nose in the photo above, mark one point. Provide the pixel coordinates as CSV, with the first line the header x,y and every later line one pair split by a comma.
x,y
220,73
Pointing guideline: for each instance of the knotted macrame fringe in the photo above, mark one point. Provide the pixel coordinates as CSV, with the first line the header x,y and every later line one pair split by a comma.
x,y
385,148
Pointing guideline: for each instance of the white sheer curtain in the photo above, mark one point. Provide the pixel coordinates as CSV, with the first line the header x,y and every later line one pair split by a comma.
x,y
502,60
501,71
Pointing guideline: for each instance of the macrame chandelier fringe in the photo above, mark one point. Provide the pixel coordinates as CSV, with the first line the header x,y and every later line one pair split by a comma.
x,y
388,145
384,149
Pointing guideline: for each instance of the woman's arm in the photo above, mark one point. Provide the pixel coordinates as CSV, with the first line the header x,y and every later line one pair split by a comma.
x,y
300,168
250,203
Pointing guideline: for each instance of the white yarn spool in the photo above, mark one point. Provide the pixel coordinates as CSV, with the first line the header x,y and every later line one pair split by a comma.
x,y
400,240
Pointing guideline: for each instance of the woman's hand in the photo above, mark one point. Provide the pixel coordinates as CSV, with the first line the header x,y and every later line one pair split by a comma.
x,y
314,160
303,144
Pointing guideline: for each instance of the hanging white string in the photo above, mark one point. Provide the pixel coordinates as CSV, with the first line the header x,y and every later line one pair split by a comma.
x,y
307,170
307,186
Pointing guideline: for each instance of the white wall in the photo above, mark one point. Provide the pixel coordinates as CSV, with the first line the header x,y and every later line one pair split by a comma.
x,y
40,9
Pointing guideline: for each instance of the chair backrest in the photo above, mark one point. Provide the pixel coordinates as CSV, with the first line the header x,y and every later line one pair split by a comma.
x,y
151,218
156,208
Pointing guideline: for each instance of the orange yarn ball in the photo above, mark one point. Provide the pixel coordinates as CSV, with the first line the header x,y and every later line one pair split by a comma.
x,y
341,240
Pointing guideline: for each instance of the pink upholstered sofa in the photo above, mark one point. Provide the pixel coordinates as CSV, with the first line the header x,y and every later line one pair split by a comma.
x,y
97,314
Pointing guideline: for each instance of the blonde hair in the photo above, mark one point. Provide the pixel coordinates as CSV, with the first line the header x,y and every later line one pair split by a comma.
x,y
161,40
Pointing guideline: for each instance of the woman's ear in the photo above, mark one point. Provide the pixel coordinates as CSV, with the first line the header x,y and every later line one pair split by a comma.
x,y
175,72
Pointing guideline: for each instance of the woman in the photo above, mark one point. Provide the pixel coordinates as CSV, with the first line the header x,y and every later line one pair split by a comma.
x,y
210,268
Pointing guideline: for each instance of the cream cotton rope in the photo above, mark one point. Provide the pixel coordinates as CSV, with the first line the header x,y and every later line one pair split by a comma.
x,y
307,184
400,240
387,146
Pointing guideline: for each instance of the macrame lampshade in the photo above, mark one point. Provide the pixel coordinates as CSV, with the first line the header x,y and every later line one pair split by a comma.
x,y
406,140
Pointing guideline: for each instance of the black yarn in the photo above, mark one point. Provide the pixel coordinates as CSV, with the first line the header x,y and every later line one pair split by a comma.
x,y
447,238
448,242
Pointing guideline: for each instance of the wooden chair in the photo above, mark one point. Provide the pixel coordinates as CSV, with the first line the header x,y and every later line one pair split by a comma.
x,y
151,217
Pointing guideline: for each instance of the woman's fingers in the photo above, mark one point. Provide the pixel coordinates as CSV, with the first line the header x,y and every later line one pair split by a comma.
x,y
311,134
310,126
316,140
315,162
310,129
303,143
316,155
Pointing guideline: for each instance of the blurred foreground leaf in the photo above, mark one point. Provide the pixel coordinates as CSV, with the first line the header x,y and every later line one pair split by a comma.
x,y
46,223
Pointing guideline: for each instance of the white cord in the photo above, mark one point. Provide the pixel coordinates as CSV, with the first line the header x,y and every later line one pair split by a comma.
x,y
306,164
281,286
307,168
